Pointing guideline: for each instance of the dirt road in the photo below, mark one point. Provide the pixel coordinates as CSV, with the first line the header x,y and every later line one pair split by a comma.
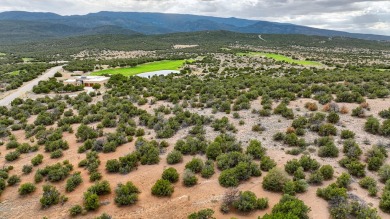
x,y
28,86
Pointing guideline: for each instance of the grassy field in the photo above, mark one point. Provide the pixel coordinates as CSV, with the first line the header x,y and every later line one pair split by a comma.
x,y
14,73
27,59
147,67
278,57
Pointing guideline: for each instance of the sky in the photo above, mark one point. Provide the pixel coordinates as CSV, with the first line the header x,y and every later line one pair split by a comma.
x,y
360,16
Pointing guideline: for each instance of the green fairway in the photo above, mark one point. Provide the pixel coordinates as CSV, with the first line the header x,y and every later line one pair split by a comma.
x,y
27,59
278,57
147,67
14,73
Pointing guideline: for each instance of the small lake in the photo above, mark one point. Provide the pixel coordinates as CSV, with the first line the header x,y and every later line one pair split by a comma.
x,y
157,73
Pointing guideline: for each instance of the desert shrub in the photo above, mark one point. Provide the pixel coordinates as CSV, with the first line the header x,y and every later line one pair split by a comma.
x,y
289,207
385,113
37,160
126,194
279,136
26,188
289,188
95,176
291,166
189,178
100,188
231,159
202,214
385,128
291,139
195,165
327,129
327,172
351,149
284,111
384,173
358,112
228,178
372,125
12,144
91,201
162,188
367,182
384,203
315,178
356,168
346,134
267,163
344,180
333,191
299,174
11,156
85,132
213,150
329,150
308,163
56,172
56,154
275,180
124,165
247,201
171,175
51,196
333,117
174,157
149,153
299,122
208,169
104,216
13,180
311,106
75,210
2,185
255,149
73,181
300,186
26,169
376,157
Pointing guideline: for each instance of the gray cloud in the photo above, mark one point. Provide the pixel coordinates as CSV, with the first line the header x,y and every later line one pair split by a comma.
x,y
348,15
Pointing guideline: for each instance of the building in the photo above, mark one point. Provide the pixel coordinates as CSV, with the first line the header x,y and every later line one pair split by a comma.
x,y
87,81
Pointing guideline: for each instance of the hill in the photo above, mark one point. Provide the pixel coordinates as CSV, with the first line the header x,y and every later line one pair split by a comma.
x,y
150,23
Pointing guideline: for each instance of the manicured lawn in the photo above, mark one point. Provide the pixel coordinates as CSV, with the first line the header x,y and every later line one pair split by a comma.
x,y
147,67
14,73
27,59
278,57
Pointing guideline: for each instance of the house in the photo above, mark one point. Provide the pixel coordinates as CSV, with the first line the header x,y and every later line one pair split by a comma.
x,y
87,81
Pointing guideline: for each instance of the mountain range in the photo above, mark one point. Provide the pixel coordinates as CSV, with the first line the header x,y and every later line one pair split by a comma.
x,y
19,26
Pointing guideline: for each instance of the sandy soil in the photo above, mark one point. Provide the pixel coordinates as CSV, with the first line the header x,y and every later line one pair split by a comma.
x,y
206,194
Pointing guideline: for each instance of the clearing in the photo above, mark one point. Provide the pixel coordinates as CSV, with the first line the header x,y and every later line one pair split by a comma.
x,y
27,59
147,67
278,57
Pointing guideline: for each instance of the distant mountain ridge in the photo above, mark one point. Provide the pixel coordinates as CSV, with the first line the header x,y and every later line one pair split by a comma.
x,y
36,25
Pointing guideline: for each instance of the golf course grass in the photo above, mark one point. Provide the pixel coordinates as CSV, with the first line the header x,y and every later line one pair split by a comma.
x,y
14,73
278,57
147,67
27,59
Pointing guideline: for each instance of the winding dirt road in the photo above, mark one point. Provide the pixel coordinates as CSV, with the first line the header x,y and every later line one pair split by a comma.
x,y
28,86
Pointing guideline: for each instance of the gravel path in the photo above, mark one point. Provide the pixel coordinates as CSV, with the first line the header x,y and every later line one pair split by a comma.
x,y
28,86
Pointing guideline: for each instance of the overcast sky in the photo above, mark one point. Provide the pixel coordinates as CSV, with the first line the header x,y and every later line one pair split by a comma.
x,y
346,15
